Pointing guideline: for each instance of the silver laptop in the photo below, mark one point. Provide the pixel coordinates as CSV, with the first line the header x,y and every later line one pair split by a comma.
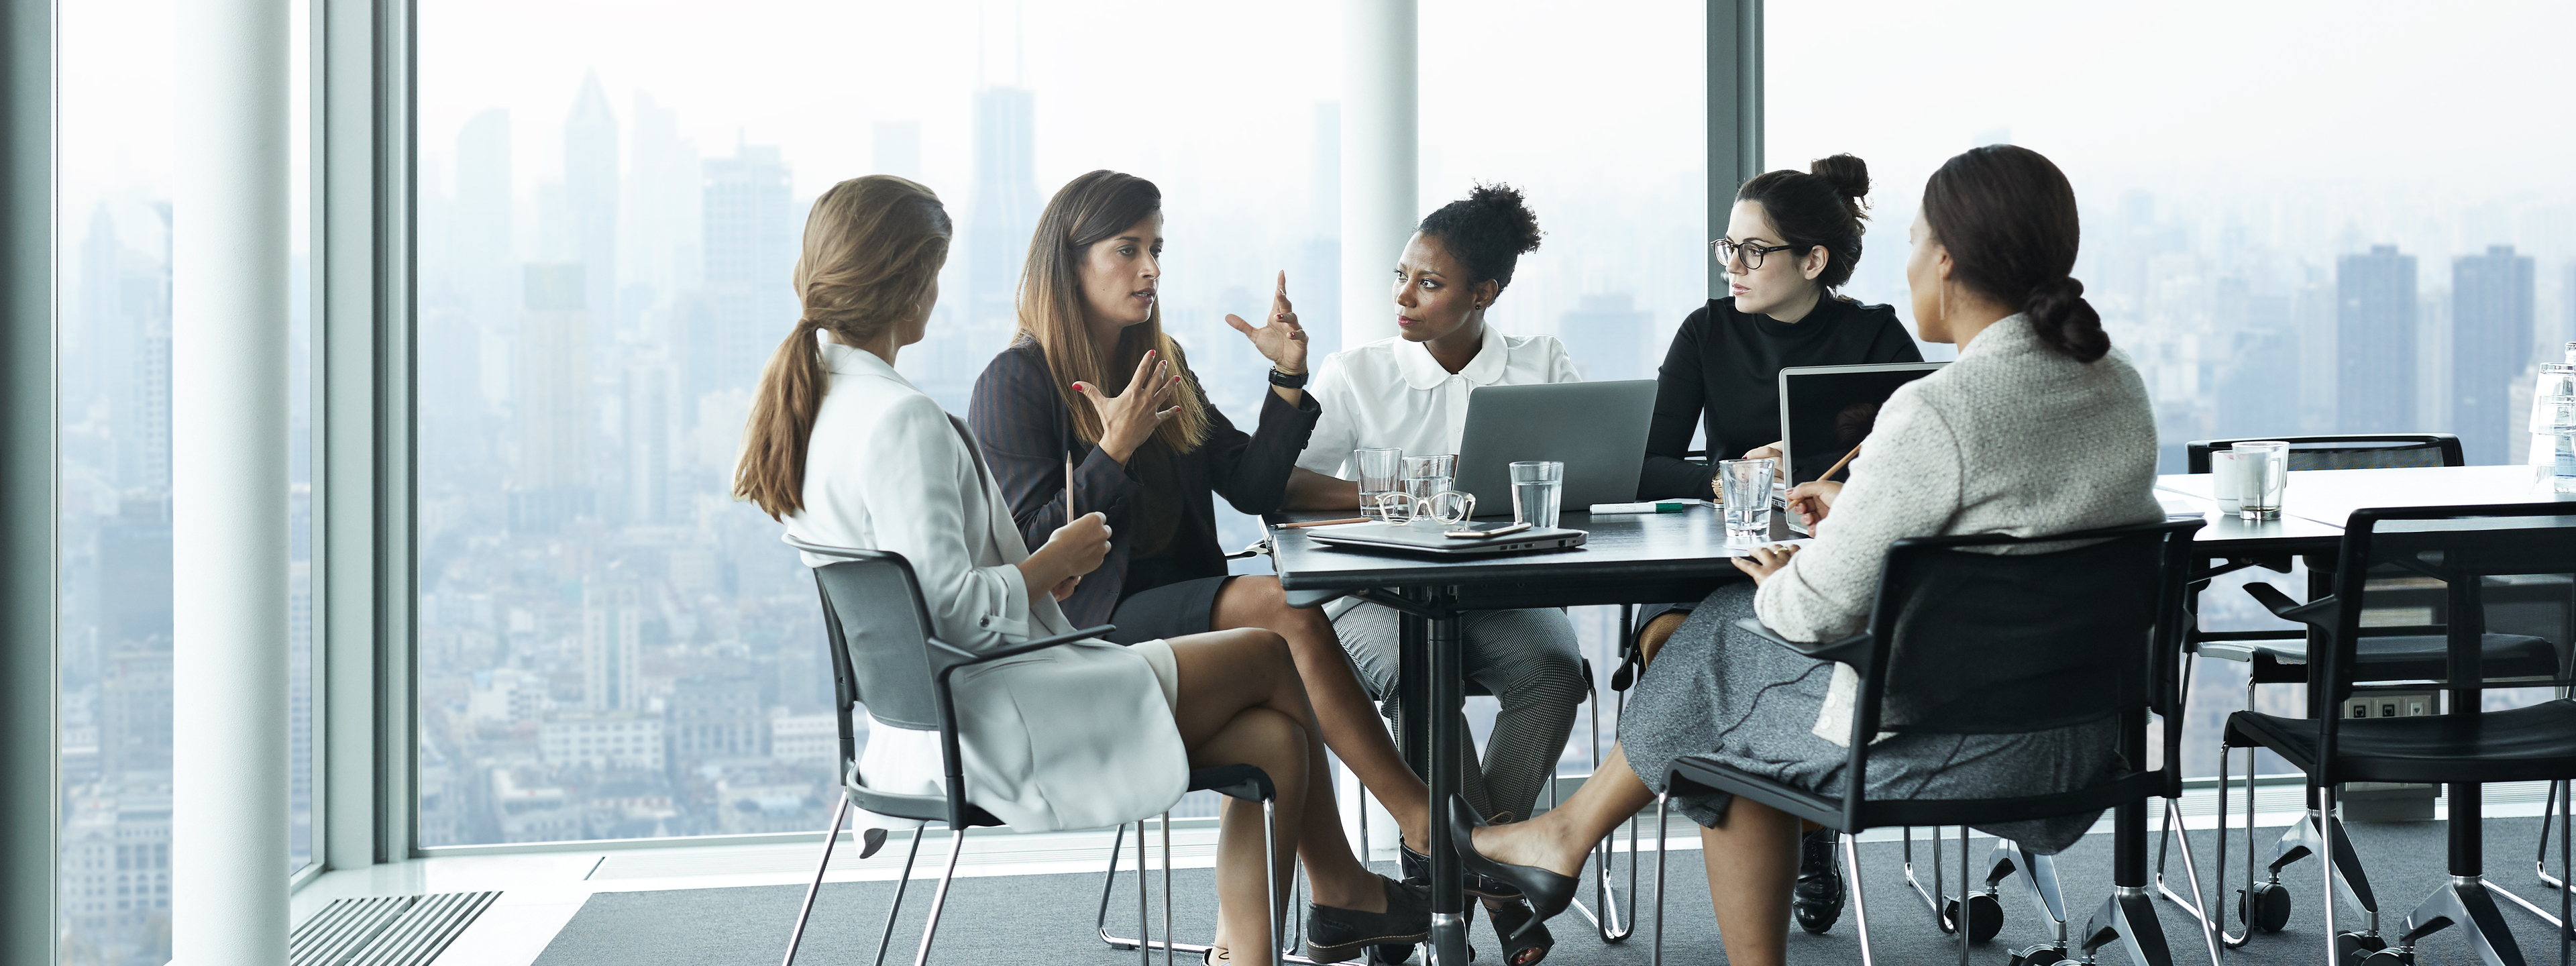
x,y
1825,411
1597,429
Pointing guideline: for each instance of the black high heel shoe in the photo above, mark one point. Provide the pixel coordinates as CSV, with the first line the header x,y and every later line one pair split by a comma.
x,y
1417,870
1525,939
1548,893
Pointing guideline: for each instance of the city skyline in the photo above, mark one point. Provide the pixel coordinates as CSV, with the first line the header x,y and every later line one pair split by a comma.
x,y
610,647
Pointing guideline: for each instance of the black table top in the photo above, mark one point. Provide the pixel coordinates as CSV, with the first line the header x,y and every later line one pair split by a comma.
x,y
1627,558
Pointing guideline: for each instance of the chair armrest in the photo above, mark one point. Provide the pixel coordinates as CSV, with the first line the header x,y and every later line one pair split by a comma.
x,y
2320,613
1854,650
1015,650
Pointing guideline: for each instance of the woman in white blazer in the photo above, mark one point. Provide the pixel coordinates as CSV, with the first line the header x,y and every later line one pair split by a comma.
x,y
844,450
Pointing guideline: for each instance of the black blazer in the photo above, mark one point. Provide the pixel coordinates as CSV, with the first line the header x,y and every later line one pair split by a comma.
x,y
1159,505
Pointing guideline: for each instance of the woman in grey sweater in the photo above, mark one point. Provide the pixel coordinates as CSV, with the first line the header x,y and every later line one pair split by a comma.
x,y
2038,428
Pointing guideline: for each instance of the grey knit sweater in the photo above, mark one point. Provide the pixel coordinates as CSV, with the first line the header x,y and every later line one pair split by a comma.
x,y
2013,438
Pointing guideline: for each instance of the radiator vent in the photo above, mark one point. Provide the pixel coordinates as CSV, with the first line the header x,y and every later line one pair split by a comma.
x,y
385,930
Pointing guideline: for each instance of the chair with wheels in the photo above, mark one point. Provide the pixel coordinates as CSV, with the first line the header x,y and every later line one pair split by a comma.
x,y
884,658
2276,657
2472,553
2096,628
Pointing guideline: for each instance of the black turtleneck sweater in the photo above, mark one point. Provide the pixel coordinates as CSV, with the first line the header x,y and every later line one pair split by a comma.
x,y
1725,365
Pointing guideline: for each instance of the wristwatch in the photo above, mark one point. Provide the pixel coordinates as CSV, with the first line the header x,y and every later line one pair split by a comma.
x,y
1717,489
1287,380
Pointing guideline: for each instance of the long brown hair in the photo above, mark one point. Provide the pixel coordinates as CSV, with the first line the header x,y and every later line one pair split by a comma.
x,y
873,250
1088,209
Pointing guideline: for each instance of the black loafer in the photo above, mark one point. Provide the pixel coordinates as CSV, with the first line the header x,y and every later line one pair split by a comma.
x,y
1335,934
1817,899
1417,870
1548,892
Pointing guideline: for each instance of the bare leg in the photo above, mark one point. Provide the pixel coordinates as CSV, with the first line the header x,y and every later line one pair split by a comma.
x,y
1559,840
1226,677
1651,637
1276,744
1347,717
1752,861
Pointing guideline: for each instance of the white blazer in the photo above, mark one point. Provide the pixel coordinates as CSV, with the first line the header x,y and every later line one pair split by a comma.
x,y
1070,737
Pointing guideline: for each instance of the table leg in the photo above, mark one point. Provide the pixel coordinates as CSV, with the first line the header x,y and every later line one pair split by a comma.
x,y
1412,674
1448,893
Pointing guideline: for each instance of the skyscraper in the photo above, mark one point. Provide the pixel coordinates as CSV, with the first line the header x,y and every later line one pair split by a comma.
x,y
750,251
610,618
590,191
1606,335
1006,205
2375,340
552,399
659,223
2491,318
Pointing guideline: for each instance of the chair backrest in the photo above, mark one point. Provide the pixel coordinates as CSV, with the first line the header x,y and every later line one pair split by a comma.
x,y
2007,643
2364,451
880,634
2488,561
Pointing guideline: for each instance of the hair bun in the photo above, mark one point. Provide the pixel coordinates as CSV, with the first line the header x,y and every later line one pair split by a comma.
x,y
1849,176
2065,321
1521,227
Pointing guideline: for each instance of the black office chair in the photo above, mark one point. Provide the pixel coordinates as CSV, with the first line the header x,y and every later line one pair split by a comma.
x,y
885,658
2274,657
2097,627
2472,551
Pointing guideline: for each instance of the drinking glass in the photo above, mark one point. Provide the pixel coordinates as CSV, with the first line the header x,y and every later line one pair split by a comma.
x,y
1378,468
1745,486
1424,476
2264,478
1538,488
2225,476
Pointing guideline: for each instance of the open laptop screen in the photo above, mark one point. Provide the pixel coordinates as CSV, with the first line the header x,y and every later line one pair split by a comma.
x,y
1827,410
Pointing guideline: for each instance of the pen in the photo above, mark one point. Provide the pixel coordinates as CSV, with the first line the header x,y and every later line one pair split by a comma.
x,y
1321,523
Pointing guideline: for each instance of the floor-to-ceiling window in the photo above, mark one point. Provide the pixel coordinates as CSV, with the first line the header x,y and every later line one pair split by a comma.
x,y
1603,127
2299,218
113,253
610,202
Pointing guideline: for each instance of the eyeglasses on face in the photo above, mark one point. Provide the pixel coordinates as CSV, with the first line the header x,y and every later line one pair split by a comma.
x,y
1726,251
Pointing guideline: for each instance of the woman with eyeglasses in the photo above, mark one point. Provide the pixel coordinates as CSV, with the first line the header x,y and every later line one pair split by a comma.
x,y
1791,242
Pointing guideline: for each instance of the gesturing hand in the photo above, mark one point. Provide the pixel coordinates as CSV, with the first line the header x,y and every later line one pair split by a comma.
x,y
1130,418
1280,340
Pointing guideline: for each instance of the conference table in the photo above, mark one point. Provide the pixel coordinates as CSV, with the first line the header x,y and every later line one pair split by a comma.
x,y
1662,557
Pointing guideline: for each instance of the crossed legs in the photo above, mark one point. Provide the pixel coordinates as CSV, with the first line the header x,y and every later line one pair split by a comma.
x,y
1242,702
1348,718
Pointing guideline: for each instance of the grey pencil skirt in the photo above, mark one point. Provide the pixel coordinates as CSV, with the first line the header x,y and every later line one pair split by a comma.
x,y
1718,691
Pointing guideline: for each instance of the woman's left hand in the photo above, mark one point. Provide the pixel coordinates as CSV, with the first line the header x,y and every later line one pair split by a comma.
x,y
1765,561
1280,339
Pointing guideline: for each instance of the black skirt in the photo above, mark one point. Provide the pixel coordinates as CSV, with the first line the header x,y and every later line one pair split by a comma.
x,y
1165,612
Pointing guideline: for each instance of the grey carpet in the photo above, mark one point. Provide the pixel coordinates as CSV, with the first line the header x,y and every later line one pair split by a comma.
x,y
1007,919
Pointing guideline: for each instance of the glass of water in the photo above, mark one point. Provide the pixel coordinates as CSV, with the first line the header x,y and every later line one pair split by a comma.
x,y
1422,477
2263,468
1538,489
1745,486
1378,467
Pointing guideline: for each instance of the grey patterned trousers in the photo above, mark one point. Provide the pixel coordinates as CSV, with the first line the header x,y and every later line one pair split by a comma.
x,y
1527,658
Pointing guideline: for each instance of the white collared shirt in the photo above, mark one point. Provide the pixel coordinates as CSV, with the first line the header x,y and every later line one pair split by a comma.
x,y
1392,393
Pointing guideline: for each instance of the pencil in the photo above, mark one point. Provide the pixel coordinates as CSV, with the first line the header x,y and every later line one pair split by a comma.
x,y
1321,523
1840,463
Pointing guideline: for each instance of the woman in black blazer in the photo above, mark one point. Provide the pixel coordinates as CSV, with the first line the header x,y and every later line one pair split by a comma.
x,y
1146,448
